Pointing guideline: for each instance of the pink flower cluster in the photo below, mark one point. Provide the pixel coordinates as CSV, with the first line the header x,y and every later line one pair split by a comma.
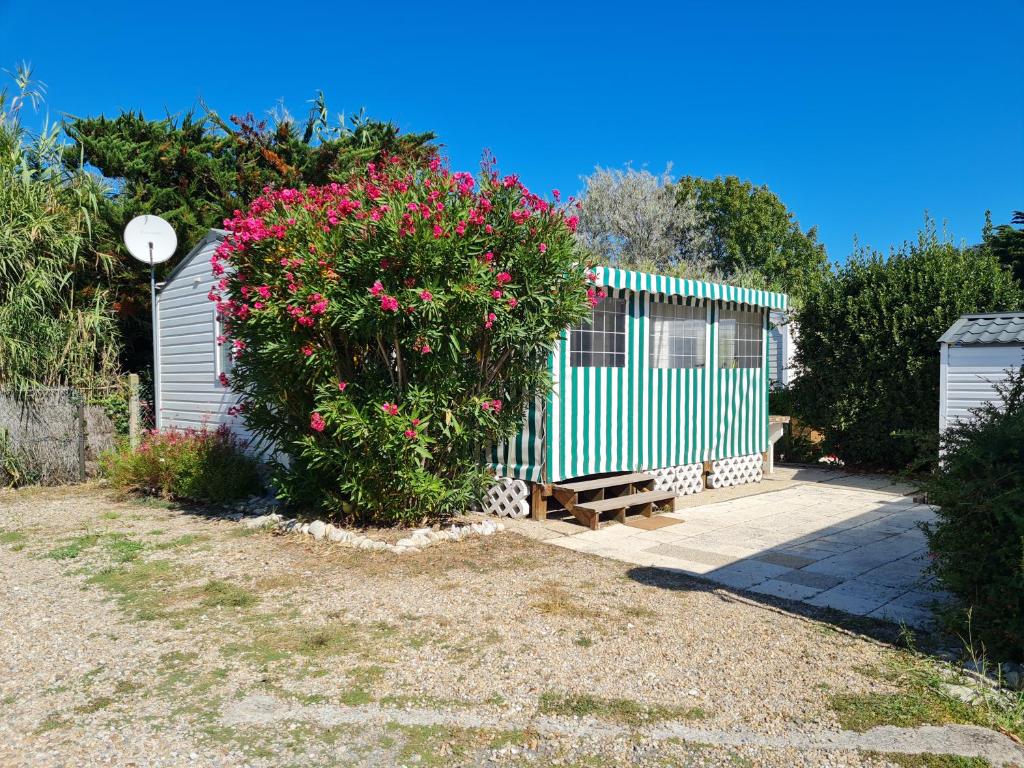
x,y
491,405
316,422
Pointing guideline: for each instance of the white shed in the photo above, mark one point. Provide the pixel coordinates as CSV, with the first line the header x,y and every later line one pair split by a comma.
x,y
188,360
975,355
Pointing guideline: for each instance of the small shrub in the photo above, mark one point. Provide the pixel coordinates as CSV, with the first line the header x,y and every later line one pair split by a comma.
x,y
978,540
192,464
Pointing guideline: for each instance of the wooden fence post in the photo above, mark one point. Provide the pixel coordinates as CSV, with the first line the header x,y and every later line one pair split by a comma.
x,y
82,431
133,410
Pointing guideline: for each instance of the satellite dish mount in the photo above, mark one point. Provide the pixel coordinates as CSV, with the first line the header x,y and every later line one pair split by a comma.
x,y
152,241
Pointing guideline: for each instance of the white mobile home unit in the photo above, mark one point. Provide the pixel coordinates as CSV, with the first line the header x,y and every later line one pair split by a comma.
x,y
977,354
188,360
662,391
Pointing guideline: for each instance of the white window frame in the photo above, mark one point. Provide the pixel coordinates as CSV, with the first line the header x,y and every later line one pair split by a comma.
x,y
223,362
744,346
600,340
678,335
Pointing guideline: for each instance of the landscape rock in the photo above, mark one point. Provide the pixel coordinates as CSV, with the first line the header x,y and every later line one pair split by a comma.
x,y
318,529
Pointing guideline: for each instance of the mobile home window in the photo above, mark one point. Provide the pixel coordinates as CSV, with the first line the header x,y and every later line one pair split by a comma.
x,y
740,341
600,340
677,335
223,361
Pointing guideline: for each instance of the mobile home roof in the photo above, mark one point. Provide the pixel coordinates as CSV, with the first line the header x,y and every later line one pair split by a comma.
x,y
676,286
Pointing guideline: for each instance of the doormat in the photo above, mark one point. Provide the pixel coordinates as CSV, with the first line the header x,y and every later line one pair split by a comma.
x,y
652,523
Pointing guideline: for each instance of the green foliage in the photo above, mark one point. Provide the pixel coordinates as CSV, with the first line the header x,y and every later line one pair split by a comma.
x,y
55,328
1006,242
15,467
750,229
389,328
195,170
196,465
868,345
977,540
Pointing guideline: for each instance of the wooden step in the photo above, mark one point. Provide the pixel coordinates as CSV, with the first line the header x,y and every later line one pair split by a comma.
x,y
605,482
625,502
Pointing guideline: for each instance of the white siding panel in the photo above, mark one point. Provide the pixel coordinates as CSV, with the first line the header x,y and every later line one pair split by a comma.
x,y
972,375
190,395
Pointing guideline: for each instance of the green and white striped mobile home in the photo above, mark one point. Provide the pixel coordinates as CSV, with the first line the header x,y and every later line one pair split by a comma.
x,y
665,373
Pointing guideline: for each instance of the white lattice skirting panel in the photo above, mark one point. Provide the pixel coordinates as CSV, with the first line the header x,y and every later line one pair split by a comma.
x,y
684,479
737,470
508,497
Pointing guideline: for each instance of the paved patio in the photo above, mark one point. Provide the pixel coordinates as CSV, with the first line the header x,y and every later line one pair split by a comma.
x,y
845,542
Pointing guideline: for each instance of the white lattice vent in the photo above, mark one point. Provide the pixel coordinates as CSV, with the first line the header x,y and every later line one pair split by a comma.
x,y
737,470
507,497
683,479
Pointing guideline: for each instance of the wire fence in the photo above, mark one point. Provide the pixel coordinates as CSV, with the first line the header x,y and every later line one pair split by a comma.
x,y
57,435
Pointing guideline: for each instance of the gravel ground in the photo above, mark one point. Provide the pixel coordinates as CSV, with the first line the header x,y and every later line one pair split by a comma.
x,y
138,634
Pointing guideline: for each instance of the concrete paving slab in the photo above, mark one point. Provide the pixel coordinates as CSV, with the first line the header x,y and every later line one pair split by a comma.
x,y
819,581
845,542
785,589
782,558
857,597
694,555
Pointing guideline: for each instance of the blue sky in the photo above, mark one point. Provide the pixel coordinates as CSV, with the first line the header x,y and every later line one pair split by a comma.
x,y
860,116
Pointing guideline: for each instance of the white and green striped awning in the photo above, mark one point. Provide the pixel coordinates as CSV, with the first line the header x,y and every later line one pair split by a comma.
x,y
676,286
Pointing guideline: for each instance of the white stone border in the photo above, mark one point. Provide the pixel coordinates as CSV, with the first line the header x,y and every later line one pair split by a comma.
x,y
416,541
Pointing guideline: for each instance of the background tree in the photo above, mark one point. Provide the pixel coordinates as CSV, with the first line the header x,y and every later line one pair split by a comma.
x,y
197,170
56,324
868,344
632,218
750,228
1007,243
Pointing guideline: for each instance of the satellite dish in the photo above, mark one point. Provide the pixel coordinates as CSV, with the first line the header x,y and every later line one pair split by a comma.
x,y
150,239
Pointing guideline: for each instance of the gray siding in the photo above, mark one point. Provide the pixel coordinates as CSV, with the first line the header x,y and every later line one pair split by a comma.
x,y
971,376
190,394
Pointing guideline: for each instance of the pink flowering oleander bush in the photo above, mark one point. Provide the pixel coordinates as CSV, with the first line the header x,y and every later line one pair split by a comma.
x,y
388,329
189,464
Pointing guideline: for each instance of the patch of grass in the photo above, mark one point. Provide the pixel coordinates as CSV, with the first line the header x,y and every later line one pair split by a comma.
x,y
355,697
625,711
110,515
173,658
583,641
335,638
94,705
11,537
51,723
74,548
141,587
555,600
930,761
223,594
186,540
438,745
920,698
122,549
367,675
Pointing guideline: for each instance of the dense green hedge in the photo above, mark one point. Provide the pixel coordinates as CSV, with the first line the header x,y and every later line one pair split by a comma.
x,y
978,539
868,345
